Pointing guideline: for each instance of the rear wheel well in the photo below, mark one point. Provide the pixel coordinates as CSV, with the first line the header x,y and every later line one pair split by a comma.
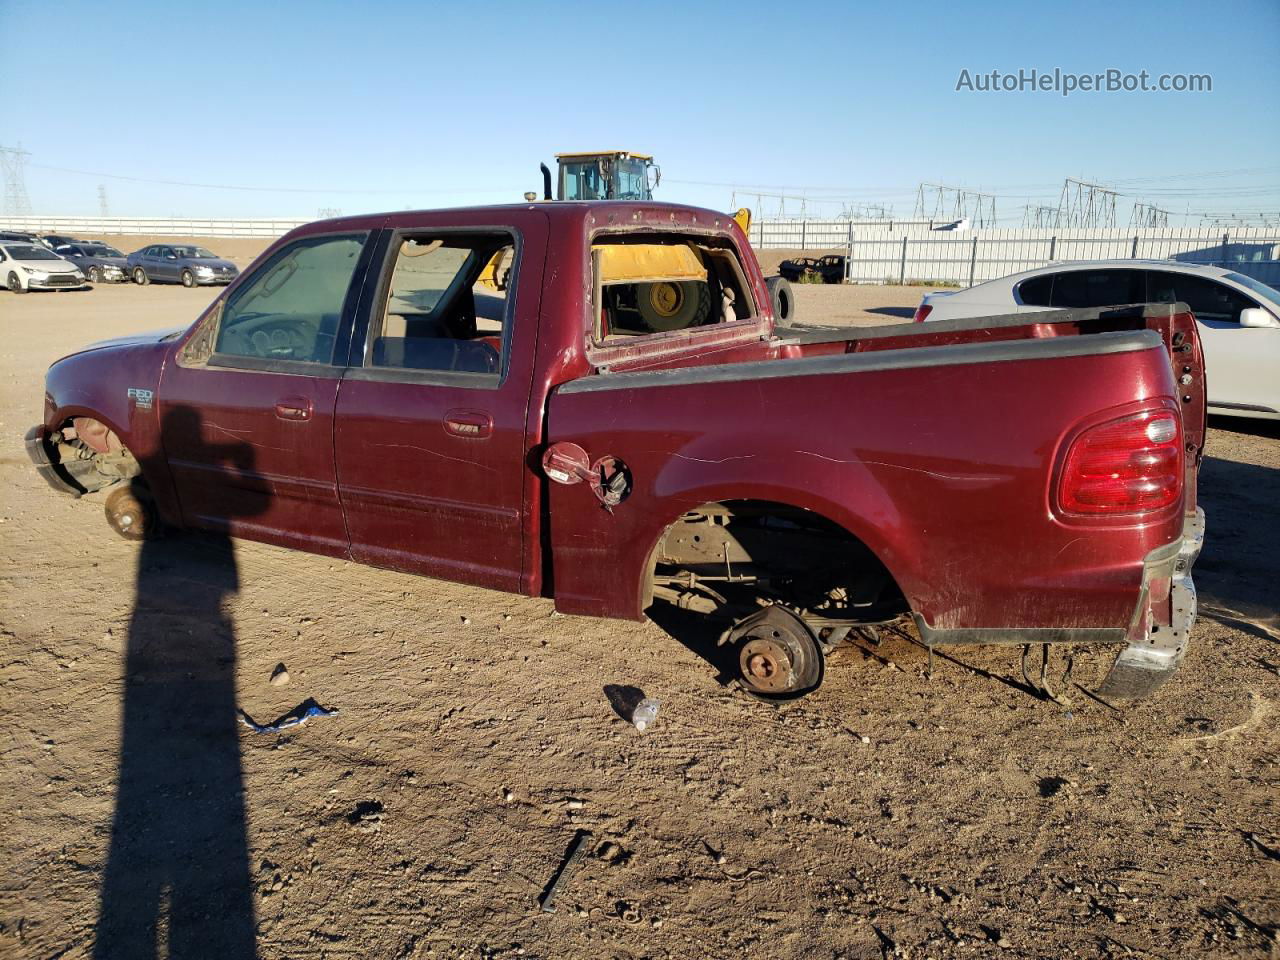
x,y
729,557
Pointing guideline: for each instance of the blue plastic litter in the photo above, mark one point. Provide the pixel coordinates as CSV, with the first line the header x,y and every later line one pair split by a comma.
x,y
298,715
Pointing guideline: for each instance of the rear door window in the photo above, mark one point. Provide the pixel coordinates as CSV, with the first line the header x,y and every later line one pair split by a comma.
x,y
445,308
1208,299
1036,291
1098,288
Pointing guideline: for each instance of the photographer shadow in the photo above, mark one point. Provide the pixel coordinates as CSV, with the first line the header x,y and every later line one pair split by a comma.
x,y
177,878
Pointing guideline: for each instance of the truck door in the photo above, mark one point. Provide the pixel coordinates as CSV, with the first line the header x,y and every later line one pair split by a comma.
x,y
430,439
247,408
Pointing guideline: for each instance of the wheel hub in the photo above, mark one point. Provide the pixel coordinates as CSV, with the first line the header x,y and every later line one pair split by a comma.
x,y
666,299
778,655
766,665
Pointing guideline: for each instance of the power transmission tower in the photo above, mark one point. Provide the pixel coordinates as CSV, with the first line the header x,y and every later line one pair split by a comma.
x,y
1148,215
102,200
866,211
14,161
935,201
1085,204
1039,216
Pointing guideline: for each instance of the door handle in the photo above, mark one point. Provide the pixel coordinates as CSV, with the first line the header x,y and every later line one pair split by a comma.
x,y
472,424
293,408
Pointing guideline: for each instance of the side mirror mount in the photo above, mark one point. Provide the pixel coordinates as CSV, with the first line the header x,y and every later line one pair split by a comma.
x,y
1257,317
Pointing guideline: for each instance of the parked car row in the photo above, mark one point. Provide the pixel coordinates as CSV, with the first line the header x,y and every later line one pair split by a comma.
x,y
53,261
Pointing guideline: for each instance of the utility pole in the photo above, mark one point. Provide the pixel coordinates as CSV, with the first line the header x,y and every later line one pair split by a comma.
x,y
14,162
102,200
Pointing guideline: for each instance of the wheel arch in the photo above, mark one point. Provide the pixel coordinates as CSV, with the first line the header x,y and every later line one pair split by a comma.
x,y
856,527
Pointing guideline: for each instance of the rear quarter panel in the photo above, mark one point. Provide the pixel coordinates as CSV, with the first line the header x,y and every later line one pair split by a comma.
x,y
945,472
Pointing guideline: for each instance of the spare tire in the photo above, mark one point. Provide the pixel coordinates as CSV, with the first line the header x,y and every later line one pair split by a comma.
x,y
784,302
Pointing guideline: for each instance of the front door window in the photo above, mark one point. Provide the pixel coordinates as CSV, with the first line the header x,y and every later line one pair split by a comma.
x,y
291,309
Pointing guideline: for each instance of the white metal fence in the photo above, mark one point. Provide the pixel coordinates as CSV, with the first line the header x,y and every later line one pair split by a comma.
x,y
150,226
820,234
877,255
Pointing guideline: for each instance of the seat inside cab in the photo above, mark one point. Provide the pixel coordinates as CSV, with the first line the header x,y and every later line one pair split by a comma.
x,y
445,305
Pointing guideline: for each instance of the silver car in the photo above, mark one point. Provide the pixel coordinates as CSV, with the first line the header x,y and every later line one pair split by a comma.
x,y
1238,316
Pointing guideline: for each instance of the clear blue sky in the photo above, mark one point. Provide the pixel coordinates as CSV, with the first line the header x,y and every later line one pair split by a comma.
x,y
427,104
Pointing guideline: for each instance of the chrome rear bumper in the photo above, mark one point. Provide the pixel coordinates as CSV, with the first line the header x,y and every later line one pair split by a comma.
x,y
1154,654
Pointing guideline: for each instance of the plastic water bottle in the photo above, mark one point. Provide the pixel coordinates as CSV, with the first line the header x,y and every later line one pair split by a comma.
x,y
645,713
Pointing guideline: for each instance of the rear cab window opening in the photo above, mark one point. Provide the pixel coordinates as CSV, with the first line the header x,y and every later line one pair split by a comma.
x,y
652,284
445,304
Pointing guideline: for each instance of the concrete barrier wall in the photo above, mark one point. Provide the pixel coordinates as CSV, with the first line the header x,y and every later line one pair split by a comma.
x,y
150,226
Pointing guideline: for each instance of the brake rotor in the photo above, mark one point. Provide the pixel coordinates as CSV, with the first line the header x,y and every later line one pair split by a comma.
x,y
778,655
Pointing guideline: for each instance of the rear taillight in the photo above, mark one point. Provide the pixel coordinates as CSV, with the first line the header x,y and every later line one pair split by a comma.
x,y
1130,465
922,313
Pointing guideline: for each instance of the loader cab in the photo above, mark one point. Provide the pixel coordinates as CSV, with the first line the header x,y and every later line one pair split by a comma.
x,y
607,176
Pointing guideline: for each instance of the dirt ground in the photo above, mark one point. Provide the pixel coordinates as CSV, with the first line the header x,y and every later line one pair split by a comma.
x,y
887,815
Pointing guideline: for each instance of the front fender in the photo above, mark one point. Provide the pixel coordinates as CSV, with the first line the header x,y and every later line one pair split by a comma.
x,y
118,386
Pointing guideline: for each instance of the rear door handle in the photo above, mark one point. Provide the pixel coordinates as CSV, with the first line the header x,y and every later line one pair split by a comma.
x,y
293,408
472,424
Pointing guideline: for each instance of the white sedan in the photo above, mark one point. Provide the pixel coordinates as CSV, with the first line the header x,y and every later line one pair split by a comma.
x,y
1239,317
29,266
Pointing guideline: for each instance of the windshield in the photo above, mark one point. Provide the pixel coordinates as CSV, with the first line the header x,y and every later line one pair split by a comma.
x,y
1270,294
101,250
630,180
194,253
25,251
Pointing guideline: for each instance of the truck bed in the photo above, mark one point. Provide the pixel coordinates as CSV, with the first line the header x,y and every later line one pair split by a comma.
x,y
936,446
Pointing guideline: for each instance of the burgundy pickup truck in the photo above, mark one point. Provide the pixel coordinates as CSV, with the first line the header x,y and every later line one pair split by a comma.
x,y
592,402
